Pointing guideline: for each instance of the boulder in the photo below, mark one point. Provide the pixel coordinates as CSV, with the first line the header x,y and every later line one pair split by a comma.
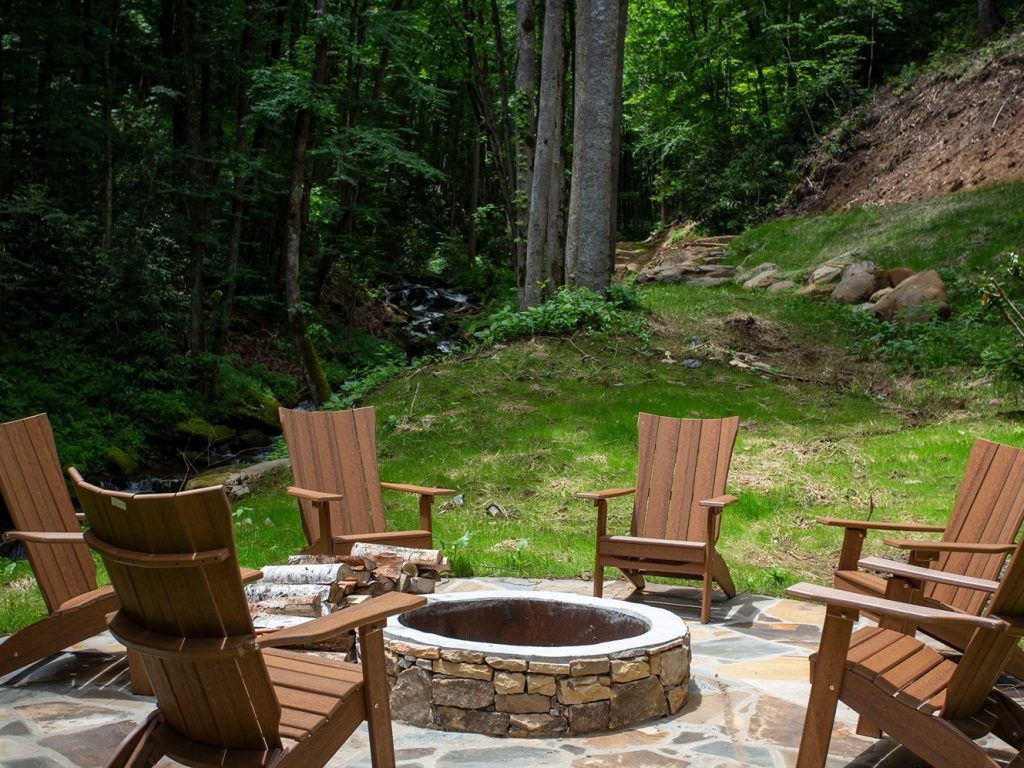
x,y
880,294
917,299
782,285
832,269
859,281
749,274
814,289
897,275
824,274
762,279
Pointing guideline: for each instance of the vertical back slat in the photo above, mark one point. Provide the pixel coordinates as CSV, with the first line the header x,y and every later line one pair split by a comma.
x,y
37,499
985,656
684,472
989,509
661,473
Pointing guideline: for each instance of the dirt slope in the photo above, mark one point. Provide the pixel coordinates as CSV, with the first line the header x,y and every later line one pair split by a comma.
x,y
951,130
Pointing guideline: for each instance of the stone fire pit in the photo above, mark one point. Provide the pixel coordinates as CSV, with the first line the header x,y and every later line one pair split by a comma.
x,y
508,663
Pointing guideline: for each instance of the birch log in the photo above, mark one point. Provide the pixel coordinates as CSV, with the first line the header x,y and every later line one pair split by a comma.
x,y
259,591
306,574
311,606
425,557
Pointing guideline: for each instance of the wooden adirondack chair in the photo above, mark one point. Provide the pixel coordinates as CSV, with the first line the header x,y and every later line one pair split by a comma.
x,y
334,463
932,704
986,517
224,696
678,500
45,523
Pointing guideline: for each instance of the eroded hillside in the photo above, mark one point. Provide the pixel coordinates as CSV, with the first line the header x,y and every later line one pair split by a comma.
x,y
955,128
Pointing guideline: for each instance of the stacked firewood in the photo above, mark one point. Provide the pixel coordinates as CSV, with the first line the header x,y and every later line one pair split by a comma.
x,y
310,586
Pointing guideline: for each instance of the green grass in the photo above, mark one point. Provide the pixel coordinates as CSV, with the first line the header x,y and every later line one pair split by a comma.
x,y
965,231
838,424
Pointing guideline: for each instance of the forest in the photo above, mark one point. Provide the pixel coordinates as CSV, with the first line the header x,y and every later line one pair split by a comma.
x,y
204,204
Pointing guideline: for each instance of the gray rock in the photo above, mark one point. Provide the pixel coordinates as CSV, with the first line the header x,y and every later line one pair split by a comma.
x,y
825,274
749,274
537,725
588,718
488,723
880,294
636,701
522,703
859,281
762,280
917,299
467,694
410,697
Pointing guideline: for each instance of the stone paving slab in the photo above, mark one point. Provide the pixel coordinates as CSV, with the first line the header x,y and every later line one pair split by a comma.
x,y
746,707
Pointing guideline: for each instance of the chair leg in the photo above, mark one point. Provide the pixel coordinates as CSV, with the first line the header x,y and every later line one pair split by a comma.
x,y
378,708
598,578
720,573
138,750
826,683
705,599
141,685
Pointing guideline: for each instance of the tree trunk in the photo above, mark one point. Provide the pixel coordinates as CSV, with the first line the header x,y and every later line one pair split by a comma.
x,y
312,371
108,127
544,234
239,189
194,208
525,120
989,20
483,101
590,236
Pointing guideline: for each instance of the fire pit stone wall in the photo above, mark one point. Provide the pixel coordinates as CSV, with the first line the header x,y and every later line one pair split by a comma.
x,y
505,691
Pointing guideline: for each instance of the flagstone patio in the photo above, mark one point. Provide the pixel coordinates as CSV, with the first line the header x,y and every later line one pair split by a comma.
x,y
746,705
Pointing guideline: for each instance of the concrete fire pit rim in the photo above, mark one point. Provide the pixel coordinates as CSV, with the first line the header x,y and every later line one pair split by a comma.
x,y
664,629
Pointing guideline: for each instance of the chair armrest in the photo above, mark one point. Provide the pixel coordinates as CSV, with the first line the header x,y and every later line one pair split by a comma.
x,y
951,546
917,573
314,496
419,489
326,627
41,537
249,575
609,493
881,525
916,613
719,502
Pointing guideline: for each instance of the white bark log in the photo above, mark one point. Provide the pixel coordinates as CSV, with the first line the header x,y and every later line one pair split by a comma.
x,y
260,591
310,606
305,574
425,557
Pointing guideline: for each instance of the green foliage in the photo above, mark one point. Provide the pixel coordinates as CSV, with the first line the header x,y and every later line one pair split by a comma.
x,y
1002,295
568,310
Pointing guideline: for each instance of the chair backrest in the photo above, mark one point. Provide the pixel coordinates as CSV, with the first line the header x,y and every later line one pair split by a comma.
x,y
336,452
681,462
172,561
986,654
989,509
37,499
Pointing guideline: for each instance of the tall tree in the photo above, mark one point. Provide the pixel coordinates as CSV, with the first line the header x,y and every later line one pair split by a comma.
x,y
309,362
543,245
525,121
989,19
590,235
